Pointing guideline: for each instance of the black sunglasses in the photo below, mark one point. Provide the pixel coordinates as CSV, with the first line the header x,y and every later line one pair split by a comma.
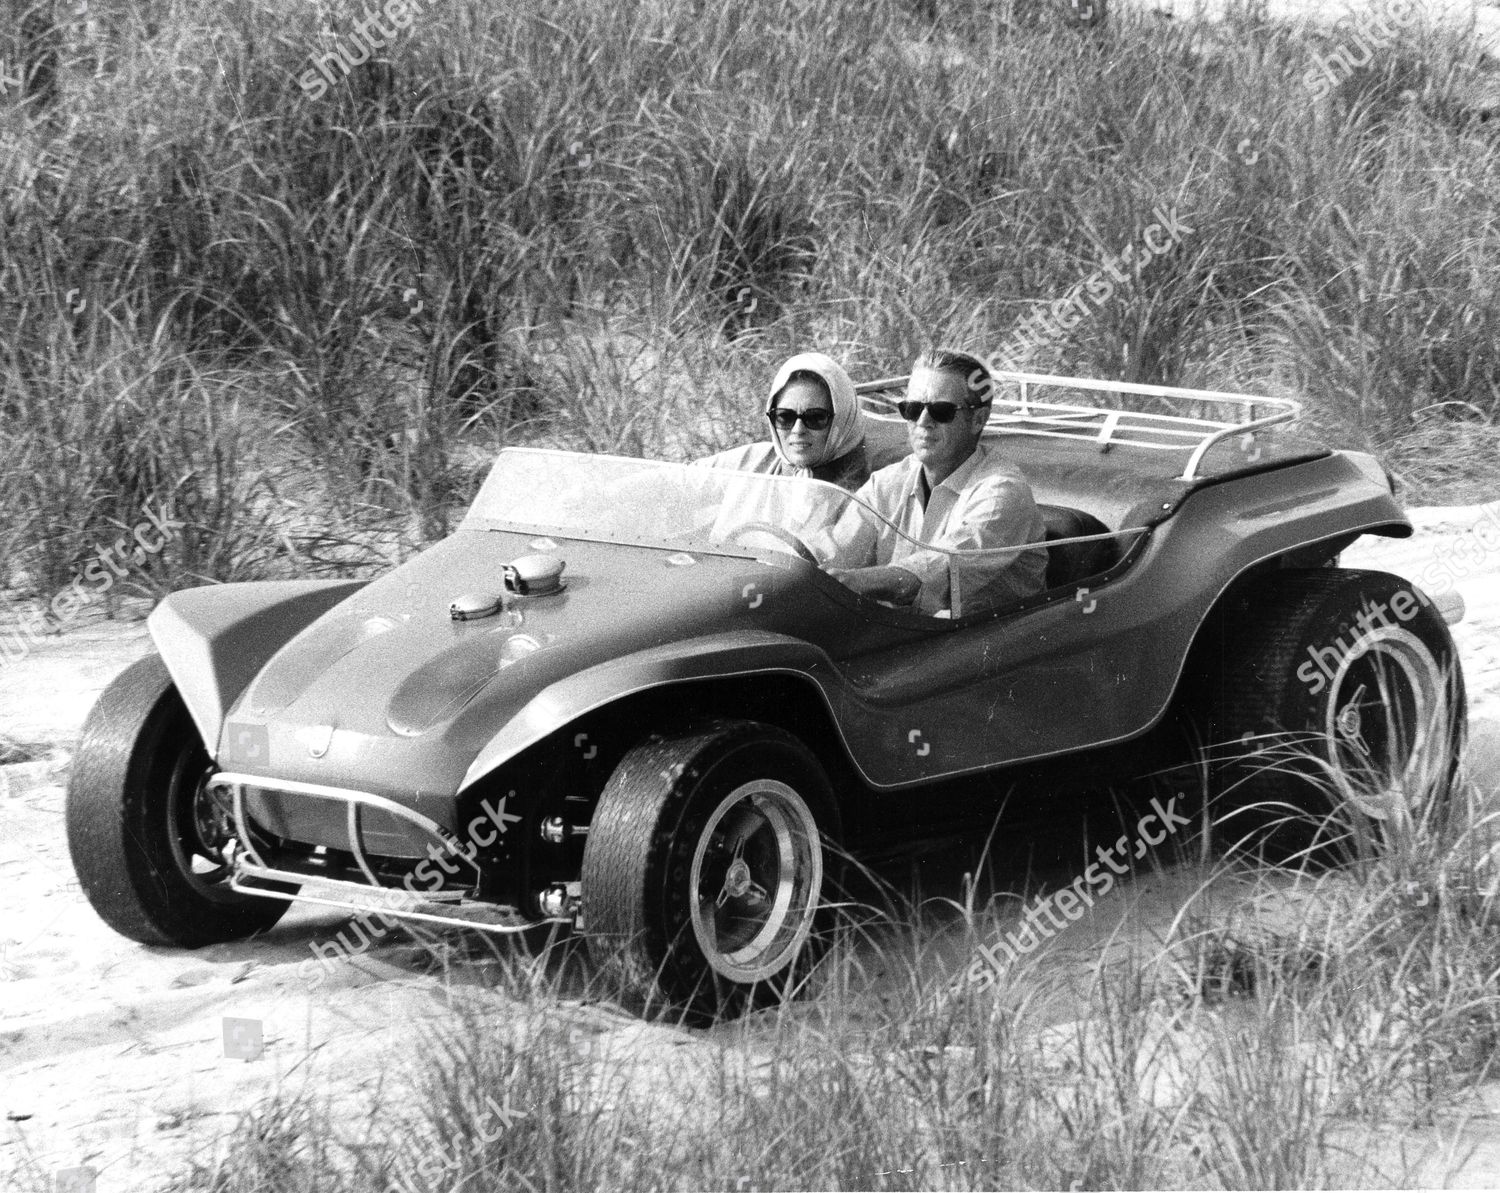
x,y
817,419
940,412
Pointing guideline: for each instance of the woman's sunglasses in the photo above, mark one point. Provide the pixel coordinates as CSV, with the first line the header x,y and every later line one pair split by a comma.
x,y
940,412
816,419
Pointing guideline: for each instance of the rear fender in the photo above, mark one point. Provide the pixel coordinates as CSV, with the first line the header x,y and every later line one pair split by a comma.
x,y
214,640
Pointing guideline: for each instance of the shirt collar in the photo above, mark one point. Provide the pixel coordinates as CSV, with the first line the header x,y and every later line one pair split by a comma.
x,y
955,480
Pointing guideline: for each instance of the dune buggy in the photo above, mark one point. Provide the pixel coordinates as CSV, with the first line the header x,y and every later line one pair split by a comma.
x,y
625,696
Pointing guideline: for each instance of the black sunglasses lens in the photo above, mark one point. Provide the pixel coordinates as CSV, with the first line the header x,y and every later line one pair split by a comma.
x,y
813,420
939,412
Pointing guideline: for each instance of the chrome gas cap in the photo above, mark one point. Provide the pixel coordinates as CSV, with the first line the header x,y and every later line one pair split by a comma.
x,y
535,575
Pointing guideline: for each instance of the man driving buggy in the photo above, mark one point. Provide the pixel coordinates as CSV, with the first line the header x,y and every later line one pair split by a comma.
x,y
952,494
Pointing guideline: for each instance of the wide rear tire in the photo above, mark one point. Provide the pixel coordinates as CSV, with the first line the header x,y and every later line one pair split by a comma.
x,y
1335,708
147,843
705,870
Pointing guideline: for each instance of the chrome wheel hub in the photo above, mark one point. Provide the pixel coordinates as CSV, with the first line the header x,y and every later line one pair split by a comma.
x,y
755,881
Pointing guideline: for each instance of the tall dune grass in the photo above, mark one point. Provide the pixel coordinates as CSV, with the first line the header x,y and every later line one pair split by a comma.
x,y
600,225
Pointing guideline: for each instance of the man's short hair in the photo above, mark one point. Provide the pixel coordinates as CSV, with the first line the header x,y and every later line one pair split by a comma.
x,y
975,372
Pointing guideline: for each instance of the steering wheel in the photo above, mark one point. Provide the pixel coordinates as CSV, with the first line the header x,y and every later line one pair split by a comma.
x,y
785,537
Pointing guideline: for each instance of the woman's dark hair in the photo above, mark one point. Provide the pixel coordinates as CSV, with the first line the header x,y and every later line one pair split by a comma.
x,y
975,372
804,375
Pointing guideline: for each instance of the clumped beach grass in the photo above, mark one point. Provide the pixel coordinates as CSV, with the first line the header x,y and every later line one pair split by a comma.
x,y
602,225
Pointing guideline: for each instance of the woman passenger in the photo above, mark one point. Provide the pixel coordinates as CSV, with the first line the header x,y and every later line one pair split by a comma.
x,y
817,433
816,429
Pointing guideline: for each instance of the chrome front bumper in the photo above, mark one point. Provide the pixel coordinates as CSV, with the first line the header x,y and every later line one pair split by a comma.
x,y
461,907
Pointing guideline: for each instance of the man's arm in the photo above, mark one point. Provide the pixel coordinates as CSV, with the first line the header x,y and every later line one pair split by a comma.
x,y
850,541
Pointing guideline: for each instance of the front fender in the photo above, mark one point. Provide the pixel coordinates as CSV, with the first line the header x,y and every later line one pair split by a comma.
x,y
214,640
712,656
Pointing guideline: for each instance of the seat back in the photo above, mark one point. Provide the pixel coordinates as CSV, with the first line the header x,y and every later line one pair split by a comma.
x,y
1073,562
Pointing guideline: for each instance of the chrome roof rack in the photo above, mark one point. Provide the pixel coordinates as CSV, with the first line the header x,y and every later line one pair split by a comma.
x,y
1109,425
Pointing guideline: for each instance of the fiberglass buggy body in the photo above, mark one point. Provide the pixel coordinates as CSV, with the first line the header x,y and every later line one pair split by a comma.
x,y
624,696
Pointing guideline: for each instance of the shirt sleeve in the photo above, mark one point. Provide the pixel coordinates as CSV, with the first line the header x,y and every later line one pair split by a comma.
x,y
849,542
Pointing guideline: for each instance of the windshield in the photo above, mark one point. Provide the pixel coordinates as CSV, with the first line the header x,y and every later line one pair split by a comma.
x,y
696,508
623,499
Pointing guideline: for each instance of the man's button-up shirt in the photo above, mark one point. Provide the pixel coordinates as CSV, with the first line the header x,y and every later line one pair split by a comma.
x,y
984,505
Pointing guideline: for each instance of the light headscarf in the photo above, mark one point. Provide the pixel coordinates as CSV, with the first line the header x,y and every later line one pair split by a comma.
x,y
846,434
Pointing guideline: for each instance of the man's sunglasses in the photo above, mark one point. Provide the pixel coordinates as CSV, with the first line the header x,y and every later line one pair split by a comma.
x,y
816,419
939,412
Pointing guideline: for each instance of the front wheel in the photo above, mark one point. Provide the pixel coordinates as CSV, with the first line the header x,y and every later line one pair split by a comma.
x,y
1336,712
150,844
705,869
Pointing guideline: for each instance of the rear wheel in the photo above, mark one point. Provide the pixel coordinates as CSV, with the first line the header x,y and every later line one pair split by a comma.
x,y
150,845
1335,711
705,869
